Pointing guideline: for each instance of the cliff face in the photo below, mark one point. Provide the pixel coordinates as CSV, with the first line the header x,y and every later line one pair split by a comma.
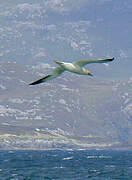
x,y
71,111
75,111
41,31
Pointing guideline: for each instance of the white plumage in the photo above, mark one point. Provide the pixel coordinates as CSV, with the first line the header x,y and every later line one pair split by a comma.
x,y
75,67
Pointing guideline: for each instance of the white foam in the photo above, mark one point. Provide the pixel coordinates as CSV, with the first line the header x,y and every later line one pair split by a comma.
x,y
68,158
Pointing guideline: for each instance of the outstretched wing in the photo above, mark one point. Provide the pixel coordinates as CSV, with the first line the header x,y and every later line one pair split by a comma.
x,y
57,71
82,63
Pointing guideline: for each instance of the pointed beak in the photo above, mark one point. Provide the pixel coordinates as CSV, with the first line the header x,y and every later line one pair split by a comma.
x,y
90,74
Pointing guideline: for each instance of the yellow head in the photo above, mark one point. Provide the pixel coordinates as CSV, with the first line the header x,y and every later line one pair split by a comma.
x,y
88,72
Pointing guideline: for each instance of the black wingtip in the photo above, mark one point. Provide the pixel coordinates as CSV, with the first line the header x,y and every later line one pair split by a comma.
x,y
36,82
111,59
33,83
40,80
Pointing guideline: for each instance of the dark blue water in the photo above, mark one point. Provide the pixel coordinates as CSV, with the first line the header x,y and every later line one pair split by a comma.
x,y
65,165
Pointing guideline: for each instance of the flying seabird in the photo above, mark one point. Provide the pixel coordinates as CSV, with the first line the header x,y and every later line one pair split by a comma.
x,y
75,67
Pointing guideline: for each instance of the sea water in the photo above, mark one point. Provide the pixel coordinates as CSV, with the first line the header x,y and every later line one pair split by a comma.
x,y
65,165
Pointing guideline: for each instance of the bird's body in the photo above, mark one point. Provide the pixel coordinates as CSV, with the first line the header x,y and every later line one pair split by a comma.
x,y
75,67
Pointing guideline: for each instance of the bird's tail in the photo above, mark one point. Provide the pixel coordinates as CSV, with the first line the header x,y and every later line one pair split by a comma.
x,y
58,62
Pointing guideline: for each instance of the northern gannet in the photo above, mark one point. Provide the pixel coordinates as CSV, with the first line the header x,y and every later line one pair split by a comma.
x,y
75,67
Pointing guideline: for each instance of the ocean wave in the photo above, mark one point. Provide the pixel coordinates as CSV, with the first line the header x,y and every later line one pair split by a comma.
x,y
68,158
99,157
